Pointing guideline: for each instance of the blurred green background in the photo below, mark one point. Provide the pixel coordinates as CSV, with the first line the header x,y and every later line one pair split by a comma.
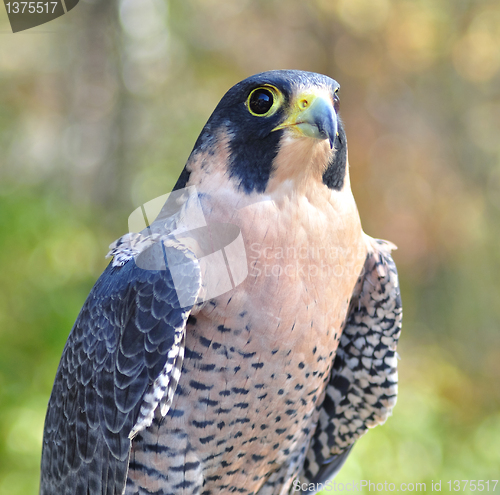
x,y
99,110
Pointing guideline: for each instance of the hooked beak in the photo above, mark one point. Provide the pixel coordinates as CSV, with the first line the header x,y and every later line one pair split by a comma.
x,y
313,116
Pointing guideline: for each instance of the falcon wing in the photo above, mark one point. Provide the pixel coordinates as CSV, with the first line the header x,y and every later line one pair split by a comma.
x,y
362,390
122,359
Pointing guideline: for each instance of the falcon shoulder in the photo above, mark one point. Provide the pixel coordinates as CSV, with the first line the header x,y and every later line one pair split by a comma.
x,y
122,359
362,390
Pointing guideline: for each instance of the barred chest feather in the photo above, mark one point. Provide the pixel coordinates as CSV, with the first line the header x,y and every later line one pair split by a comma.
x,y
258,358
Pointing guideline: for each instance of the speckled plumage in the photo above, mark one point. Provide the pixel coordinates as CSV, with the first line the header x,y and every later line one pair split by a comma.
x,y
362,389
264,384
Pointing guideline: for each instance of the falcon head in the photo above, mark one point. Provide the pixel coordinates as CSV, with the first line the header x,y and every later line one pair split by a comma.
x,y
273,128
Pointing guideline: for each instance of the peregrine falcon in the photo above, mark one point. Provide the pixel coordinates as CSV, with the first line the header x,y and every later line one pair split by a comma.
x,y
173,382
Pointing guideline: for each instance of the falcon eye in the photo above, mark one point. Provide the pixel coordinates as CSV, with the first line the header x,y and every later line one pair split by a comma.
x,y
336,100
263,102
260,101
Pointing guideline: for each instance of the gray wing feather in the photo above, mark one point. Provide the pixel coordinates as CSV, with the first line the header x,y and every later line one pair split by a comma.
x,y
362,390
121,359
327,471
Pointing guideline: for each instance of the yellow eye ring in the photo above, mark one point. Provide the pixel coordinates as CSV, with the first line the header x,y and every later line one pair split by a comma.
x,y
264,101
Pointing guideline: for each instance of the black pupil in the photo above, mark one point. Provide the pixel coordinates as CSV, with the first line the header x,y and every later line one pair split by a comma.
x,y
261,101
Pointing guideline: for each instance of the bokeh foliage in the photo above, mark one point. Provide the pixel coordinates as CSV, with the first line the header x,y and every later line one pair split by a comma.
x,y
100,108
